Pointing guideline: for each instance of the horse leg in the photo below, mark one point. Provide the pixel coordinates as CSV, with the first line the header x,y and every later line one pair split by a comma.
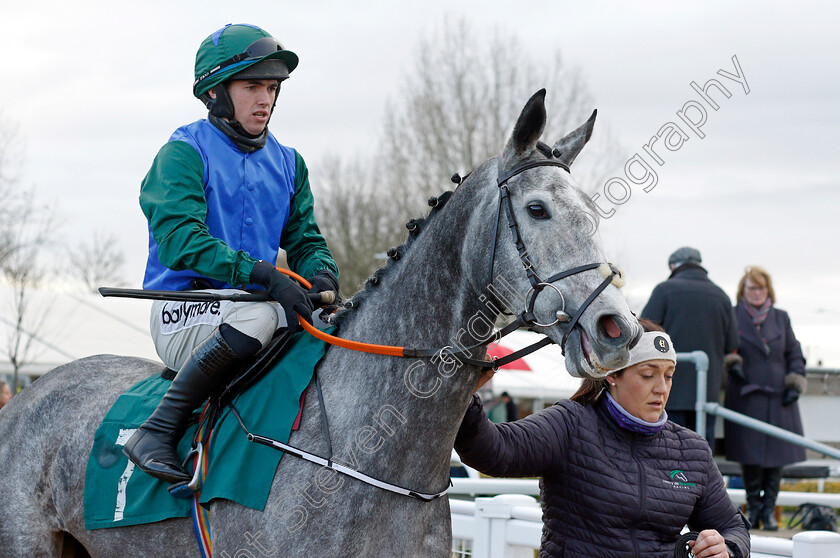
x,y
27,535
29,523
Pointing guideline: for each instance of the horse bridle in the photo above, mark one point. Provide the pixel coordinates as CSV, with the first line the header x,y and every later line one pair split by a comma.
x,y
527,317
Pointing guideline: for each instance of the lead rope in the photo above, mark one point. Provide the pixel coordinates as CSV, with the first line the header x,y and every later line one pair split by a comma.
x,y
681,549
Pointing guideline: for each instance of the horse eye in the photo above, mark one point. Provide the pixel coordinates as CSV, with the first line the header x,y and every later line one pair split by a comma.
x,y
537,211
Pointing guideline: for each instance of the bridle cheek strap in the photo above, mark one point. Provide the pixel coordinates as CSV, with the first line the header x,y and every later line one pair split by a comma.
x,y
537,285
504,200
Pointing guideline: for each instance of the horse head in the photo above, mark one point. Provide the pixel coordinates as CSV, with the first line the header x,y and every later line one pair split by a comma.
x,y
551,261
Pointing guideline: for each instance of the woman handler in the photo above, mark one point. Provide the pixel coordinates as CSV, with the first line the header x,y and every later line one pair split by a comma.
x,y
616,477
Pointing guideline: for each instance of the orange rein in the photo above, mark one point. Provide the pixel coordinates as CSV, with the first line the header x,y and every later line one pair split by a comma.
x,y
388,350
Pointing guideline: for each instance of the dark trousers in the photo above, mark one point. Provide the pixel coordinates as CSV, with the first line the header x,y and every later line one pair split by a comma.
x,y
689,420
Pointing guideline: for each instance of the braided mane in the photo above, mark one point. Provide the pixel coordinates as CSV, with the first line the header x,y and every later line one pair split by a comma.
x,y
415,228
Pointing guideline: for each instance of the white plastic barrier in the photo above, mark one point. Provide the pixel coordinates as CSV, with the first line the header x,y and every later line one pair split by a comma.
x,y
510,526
816,544
505,526
479,487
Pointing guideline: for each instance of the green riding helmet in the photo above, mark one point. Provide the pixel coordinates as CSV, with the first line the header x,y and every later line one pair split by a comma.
x,y
239,51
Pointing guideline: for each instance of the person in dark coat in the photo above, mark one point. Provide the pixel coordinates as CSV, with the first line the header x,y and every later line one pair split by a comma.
x,y
773,377
617,478
698,316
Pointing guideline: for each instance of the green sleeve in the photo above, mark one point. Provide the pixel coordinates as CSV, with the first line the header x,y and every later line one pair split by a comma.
x,y
306,249
172,198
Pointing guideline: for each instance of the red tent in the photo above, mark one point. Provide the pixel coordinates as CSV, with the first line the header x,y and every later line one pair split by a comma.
x,y
540,375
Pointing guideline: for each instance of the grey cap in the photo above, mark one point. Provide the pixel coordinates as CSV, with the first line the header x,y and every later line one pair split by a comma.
x,y
683,255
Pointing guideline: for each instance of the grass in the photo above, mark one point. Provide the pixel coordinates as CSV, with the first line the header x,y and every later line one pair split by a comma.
x,y
830,487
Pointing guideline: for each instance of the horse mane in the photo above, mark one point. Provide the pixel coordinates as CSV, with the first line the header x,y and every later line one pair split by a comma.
x,y
415,228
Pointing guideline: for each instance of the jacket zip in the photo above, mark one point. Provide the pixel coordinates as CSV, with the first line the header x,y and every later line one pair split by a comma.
x,y
642,497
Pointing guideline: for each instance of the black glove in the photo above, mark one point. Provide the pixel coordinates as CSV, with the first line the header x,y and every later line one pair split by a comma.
x,y
736,370
324,280
733,367
284,290
790,396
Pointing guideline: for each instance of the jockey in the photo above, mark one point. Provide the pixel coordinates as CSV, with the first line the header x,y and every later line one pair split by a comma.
x,y
222,196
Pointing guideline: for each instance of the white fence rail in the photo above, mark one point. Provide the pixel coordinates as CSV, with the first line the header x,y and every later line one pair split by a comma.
x,y
479,487
510,526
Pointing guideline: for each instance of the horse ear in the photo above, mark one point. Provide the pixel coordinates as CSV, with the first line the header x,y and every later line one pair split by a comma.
x,y
570,146
529,127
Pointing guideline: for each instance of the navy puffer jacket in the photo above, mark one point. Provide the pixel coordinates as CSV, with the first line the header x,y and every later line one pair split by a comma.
x,y
606,492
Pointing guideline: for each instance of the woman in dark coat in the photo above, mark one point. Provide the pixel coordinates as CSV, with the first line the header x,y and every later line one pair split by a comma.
x,y
617,478
773,377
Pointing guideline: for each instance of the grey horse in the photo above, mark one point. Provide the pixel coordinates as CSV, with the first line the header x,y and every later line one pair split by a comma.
x,y
392,418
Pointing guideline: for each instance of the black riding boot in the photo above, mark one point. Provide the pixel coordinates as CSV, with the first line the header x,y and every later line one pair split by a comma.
x,y
153,446
752,475
770,485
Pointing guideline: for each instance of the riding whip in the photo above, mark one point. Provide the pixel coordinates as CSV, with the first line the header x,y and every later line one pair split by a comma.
x,y
322,298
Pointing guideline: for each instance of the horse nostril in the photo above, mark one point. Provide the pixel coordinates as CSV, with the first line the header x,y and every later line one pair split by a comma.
x,y
610,327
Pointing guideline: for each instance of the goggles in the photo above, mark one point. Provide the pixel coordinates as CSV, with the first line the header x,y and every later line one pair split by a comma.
x,y
255,51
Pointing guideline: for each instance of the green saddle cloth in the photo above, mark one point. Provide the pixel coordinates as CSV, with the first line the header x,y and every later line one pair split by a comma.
x,y
119,494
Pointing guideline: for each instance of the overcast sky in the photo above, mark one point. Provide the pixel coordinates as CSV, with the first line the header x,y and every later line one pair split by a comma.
x,y
95,88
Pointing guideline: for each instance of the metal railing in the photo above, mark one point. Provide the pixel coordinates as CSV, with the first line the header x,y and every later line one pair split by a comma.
x,y
817,370
531,487
703,407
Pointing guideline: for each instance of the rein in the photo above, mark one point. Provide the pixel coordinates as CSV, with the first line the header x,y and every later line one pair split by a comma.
x,y
527,318
328,462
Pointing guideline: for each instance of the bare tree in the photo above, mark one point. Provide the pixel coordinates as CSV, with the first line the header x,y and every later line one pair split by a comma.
x,y
99,262
14,202
23,271
458,105
354,217
460,101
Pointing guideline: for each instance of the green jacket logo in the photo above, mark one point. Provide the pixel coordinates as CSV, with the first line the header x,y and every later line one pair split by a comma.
x,y
680,478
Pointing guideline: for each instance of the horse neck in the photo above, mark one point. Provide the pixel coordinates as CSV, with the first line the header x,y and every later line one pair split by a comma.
x,y
428,296
425,302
